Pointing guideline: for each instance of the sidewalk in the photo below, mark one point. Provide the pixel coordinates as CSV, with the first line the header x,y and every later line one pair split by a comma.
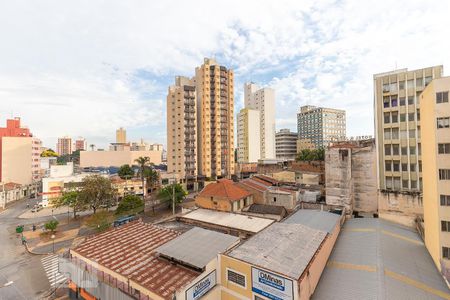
x,y
45,212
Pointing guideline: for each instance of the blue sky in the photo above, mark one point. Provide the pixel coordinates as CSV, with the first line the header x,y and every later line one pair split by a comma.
x,y
85,68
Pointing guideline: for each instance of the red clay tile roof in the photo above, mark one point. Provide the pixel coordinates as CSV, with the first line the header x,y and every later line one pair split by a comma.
x,y
9,186
268,179
254,184
224,188
129,251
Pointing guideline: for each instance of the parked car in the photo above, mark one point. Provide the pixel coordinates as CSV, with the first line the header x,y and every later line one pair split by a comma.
x,y
37,208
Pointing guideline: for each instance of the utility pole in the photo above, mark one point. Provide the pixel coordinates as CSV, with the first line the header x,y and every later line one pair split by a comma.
x,y
173,198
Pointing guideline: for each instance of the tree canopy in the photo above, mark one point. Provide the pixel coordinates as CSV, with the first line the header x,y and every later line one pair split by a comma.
x,y
49,153
311,155
130,204
51,225
96,191
166,193
125,172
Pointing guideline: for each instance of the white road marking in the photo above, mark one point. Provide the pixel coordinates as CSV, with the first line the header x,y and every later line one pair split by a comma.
x,y
50,264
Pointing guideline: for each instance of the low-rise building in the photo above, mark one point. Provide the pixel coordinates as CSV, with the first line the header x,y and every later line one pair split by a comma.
x,y
283,261
224,195
116,158
148,262
10,192
274,212
230,223
123,187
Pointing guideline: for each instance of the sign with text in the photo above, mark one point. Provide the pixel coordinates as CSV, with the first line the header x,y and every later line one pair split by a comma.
x,y
272,286
201,287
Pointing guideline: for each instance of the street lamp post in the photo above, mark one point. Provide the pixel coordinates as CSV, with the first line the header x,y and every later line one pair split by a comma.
x,y
53,239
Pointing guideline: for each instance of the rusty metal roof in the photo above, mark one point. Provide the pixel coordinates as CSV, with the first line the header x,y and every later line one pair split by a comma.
x,y
129,250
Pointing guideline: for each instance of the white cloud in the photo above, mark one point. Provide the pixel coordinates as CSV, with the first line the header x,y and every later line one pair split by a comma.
x,y
73,67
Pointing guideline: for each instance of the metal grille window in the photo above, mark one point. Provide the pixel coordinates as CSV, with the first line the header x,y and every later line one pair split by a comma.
x,y
445,226
446,252
445,200
442,97
444,148
237,278
444,174
443,122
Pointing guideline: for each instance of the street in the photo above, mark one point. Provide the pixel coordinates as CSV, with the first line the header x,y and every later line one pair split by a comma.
x,y
22,275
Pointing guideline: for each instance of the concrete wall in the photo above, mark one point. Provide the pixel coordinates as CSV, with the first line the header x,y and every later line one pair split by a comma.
x,y
393,205
338,178
284,176
281,199
116,158
223,204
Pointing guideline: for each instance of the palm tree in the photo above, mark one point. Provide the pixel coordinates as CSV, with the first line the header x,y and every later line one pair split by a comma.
x,y
152,178
142,162
92,147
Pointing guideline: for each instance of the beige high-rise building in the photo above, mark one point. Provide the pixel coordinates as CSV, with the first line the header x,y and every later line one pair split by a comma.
x,y
121,136
182,129
64,146
263,100
248,136
215,111
398,138
435,126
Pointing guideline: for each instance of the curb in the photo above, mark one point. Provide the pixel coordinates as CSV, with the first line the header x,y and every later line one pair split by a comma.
x,y
34,253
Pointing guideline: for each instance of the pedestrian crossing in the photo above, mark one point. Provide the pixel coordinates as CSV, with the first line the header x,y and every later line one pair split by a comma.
x,y
50,264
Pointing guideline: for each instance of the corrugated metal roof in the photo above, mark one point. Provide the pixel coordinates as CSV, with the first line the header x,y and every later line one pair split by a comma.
x,y
231,220
197,247
284,248
376,259
321,220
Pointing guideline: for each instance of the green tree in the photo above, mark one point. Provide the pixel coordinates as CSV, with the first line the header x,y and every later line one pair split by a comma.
x,y
125,172
96,191
49,153
311,155
151,176
51,225
142,162
100,221
130,204
166,194
70,198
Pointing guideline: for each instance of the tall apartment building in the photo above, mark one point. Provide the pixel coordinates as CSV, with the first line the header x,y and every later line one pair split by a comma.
x,y
64,145
19,154
263,100
398,139
435,126
80,144
182,128
215,111
320,126
121,136
286,144
249,139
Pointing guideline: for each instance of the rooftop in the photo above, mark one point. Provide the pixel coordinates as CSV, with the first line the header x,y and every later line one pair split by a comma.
x,y
267,209
197,247
129,251
376,259
284,248
230,220
224,188
317,219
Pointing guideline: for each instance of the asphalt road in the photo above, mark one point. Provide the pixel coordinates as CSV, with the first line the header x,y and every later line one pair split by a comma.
x,y
22,272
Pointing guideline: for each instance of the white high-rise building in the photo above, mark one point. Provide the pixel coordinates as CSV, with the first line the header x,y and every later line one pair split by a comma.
x,y
263,100
248,132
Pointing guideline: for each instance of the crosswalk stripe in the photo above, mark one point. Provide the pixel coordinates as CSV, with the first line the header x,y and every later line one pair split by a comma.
x,y
50,264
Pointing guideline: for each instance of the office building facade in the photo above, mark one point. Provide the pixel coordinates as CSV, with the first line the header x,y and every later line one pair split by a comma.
x,y
320,126
263,100
286,144
64,146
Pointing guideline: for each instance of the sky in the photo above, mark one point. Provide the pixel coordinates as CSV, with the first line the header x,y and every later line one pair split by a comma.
x,y
87,67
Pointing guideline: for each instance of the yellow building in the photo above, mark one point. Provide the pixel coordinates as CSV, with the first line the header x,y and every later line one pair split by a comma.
x,y
249,136
435,126
121,136
125,187
215,119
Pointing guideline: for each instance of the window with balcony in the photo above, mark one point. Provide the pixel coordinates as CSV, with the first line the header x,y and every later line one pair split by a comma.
x,y
444,174
442,97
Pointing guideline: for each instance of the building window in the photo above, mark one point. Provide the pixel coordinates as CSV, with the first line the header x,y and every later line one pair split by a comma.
x,y
412,167
236,278
387,118
386,102
388,166
404,151
387,149
387,134
446,252
402,101
419,82
413,184
444,148
444,174
401,85
410,100
402,117
389,182
445,200
385,87
405,167
394,117
445,226
396,166
443,122
395,133
405,184
411,116
442,97
412,150
394,102
395,150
